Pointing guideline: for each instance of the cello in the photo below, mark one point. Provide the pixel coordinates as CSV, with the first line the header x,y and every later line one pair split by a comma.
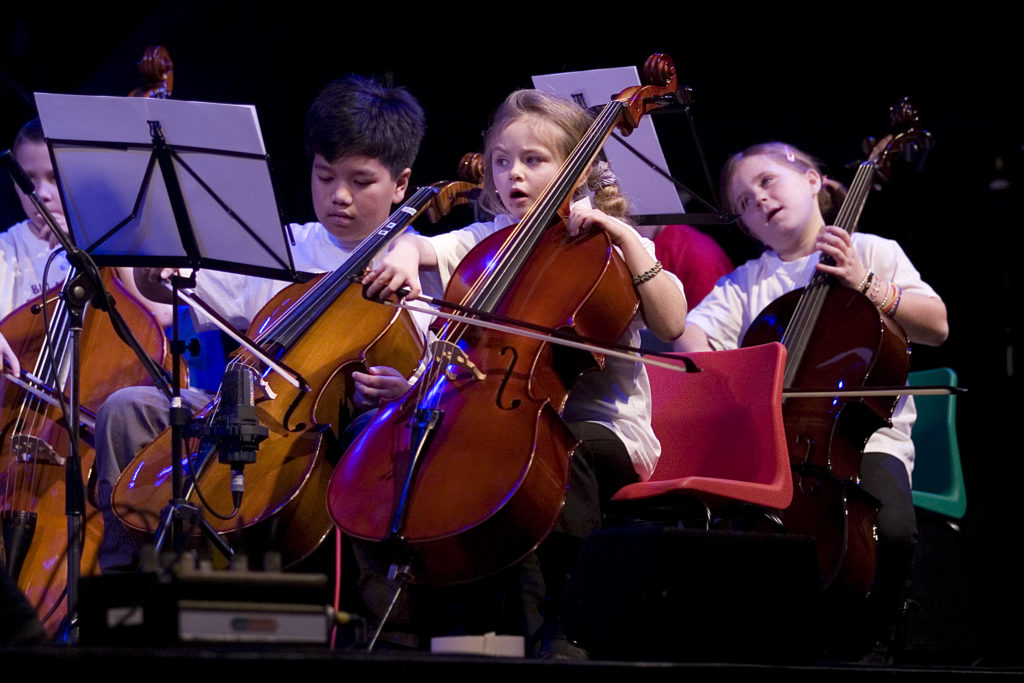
x,y
33,430
325,330
836,337
467,474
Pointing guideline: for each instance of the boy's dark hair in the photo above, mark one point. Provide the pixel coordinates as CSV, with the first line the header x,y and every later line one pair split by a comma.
x,y
356,116
30,132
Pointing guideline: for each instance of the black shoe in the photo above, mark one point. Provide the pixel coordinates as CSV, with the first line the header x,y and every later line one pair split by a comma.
x,y
559,648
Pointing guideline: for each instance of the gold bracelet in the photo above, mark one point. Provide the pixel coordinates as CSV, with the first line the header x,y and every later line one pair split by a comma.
x,y
647,274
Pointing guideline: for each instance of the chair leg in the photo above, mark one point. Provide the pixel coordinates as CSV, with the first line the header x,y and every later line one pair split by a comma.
x,y
774,520
749,517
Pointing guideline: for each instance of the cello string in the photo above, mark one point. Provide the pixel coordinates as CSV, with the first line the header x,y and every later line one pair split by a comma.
x,y
797,335
311,306
21,425
540,216
487,291
33,411
294,320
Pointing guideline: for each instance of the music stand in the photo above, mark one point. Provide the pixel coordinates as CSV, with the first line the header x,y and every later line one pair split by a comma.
x,y
165,183
650,193
639,162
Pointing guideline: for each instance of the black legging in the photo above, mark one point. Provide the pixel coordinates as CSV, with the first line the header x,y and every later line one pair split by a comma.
x,y
885,478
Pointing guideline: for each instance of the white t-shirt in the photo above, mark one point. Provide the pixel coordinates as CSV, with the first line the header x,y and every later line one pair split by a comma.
x,y
22,260
726,313
619,397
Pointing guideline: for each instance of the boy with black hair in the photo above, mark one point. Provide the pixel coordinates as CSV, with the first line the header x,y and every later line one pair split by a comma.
x,y
361,138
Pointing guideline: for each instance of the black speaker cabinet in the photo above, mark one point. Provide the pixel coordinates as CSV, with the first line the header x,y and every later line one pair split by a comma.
x,y
657,594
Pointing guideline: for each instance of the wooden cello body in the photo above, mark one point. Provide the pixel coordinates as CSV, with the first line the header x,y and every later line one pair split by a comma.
x,y
323,329
467,473
827,435
34,440
499,480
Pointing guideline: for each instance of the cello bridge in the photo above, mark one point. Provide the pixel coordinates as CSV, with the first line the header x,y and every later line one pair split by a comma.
x,y
28,448
452,357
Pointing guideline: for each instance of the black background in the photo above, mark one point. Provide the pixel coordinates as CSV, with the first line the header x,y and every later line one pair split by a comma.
x,y
822,80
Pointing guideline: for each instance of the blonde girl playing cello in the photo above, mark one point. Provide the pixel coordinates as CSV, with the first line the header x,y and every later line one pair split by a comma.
x,y
609,411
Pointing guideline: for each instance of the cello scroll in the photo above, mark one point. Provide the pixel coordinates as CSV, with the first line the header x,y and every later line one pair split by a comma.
x,y
157,68
640,100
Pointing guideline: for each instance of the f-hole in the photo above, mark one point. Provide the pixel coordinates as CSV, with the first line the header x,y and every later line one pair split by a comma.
x,y
504,380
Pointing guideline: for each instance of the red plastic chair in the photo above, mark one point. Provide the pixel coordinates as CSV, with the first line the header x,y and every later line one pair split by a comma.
x,y
725,467
721,431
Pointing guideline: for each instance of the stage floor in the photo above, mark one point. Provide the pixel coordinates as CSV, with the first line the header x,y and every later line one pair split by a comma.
x,y
296,663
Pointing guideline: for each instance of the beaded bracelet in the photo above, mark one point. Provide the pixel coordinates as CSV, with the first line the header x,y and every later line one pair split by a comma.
x,y
891,311
647,274
866,282
888,294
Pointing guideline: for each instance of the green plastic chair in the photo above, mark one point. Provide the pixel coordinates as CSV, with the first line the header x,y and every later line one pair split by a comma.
x,y
938,477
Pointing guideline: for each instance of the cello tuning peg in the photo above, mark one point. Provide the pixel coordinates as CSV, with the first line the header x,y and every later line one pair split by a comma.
x,y
684,96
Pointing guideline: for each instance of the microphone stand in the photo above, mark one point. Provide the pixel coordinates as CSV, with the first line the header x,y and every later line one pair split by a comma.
x,y
172,521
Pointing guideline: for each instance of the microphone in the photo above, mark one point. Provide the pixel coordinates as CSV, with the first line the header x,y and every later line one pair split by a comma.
x,y
234,429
